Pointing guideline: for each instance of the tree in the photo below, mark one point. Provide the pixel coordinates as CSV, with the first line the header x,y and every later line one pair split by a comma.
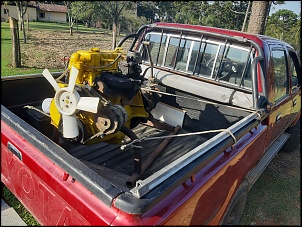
x,y
165,10
285,25
189,12
85,11
146,9
259,15
222,14
246,16
112,10
22,8
130,22
71,16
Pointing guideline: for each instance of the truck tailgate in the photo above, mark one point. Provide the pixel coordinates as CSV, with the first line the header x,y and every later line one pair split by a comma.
x,y
41,184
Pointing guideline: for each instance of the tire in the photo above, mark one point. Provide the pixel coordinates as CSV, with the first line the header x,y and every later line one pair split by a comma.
x,y
235,209
294,140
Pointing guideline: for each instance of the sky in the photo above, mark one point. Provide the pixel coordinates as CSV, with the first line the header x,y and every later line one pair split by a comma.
x,y
290,5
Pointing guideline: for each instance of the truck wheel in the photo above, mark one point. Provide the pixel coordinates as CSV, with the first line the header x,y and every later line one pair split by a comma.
x,y
294,140
235,209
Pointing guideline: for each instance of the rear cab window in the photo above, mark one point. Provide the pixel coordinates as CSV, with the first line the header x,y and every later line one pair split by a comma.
x,y
201,56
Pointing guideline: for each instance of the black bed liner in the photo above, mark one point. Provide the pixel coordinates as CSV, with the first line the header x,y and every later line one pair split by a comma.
x,y
103,157
200,116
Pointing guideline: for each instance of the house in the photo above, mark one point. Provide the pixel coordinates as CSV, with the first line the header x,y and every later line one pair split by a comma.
x,y
11,9
50,12
37,12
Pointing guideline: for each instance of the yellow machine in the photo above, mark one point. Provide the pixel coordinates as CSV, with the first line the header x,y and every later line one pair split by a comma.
x,y
99,98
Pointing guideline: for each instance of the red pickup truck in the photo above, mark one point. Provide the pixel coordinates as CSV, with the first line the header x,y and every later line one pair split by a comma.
x,y
173,131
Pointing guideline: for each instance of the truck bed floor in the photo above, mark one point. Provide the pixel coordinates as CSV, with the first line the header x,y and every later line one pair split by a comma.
x,y
107,158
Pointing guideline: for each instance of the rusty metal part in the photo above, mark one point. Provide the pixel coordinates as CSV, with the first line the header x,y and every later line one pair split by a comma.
x,y
137,156
135,176
102,87
158,124
103,123
105,120
109,119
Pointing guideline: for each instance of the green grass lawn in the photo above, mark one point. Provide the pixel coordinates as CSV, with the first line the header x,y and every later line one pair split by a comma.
x,y
6,51
8,70
62,27
6,44
275,199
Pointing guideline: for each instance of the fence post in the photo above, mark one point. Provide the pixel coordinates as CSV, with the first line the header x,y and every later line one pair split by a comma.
x,y
13,23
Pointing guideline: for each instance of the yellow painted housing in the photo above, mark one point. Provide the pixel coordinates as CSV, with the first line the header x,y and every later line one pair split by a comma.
x,y
90,64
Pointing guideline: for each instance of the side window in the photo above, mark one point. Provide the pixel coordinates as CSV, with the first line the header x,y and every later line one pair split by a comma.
x,y
280,73
157,48
294,69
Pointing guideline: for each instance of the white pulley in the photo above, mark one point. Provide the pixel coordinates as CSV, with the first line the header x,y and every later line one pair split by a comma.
x,y
68,102
46,105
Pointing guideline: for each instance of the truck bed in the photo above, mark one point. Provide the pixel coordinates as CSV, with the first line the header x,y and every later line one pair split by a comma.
x,y
106,159
103,158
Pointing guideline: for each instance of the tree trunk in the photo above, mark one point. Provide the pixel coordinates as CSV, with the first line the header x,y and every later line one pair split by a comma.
x,y
267,13
21,8
246,15
258,17
24,35
23,29
70,30
21,23
113,35
119,29
27,21
16,52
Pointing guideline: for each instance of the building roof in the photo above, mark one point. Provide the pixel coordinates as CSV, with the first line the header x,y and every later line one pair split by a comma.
x,y
49,7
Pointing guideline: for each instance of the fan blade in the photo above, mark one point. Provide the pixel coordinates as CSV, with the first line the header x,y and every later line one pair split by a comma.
x,y
89,104
51,80
70,126
72,78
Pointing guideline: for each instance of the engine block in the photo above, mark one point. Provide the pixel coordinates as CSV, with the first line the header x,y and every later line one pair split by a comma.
x,y
121,101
